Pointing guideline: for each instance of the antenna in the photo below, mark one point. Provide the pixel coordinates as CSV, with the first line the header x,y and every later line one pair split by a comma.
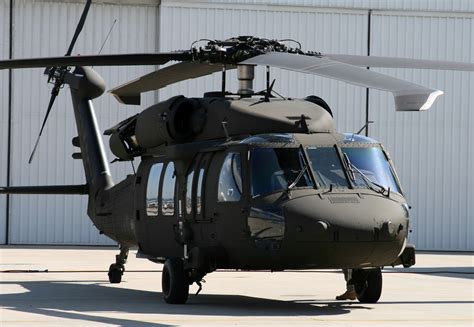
x,y
268,79
268,94
108,35
224,127
133,166
363,127
223,80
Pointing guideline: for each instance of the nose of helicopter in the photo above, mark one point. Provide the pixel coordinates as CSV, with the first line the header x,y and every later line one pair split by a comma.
x,y
349,230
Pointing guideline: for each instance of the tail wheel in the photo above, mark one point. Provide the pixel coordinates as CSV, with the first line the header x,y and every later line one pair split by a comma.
x,y
369,291
174,282
115,273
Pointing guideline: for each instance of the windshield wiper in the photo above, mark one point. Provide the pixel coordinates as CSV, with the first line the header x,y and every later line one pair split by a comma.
x,y
297,179
303,170
351,168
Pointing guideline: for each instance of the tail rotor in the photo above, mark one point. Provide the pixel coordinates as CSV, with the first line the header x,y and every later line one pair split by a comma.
x,y
56,75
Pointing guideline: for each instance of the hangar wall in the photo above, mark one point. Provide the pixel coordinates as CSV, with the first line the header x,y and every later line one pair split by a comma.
x,y
4,53
431,150
62,219
418,5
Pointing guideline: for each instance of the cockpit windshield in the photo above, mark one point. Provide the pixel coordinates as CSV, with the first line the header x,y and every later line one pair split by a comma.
x,y
372,163
274,169
327,167
277,169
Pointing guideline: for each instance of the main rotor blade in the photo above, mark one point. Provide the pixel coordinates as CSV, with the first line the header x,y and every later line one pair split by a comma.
x,y
79,27
54,94
130,59
408,96
129,93
390,62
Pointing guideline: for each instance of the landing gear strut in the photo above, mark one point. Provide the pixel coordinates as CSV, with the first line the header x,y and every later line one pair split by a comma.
x,y
368,285
174,282
117,269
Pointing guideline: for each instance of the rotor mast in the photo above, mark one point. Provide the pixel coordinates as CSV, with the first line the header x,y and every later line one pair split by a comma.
x,y
245,75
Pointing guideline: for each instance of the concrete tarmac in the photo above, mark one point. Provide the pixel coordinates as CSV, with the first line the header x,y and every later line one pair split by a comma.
x,y
68,286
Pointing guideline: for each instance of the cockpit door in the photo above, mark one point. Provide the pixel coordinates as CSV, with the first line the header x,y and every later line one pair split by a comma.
x,y
227,196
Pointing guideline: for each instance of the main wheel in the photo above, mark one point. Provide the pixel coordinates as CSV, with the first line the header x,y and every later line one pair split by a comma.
x,y
369,291
174,282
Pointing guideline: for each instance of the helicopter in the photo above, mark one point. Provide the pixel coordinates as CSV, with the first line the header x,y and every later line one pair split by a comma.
x,y
243,180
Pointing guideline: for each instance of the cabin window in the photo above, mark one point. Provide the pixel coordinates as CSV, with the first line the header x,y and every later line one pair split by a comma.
x,y
152,189
189,189
230,179
199,191
168,191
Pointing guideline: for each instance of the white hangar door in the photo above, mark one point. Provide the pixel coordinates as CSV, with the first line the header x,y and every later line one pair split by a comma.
x,y
63,219
432,150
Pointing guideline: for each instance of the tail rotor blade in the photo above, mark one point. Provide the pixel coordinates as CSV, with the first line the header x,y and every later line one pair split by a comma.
x,y
59,78
79,27
54,94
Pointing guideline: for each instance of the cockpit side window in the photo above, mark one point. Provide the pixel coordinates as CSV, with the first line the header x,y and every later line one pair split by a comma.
x,y
152,189
230,179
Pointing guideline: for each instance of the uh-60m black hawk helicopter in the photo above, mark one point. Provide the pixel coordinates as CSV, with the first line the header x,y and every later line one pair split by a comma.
x,y
240,180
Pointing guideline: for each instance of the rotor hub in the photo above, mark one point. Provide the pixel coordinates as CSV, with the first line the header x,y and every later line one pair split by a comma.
x,y
238,49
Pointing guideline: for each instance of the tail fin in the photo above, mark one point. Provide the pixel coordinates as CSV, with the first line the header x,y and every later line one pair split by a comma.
x,y
85,85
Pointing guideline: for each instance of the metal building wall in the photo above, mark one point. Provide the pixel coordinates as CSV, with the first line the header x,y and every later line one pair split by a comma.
x,y
4,50
431,150
44,28
418,5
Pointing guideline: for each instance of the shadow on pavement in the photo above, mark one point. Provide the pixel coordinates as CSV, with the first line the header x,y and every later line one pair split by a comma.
x,y
84,301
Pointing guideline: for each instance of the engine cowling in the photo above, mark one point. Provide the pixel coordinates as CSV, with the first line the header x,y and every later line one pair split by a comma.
x,y
179,119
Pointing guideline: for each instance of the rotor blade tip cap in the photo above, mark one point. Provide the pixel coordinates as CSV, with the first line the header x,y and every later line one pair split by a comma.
x,y
416,102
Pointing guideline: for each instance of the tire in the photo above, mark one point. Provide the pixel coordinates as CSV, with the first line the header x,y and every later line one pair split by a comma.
x,y
174,282
370,290
115,274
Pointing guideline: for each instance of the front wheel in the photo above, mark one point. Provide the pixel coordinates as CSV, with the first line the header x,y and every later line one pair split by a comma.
x,y
370,289
174,282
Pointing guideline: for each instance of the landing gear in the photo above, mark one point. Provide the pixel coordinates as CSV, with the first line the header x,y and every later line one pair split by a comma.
x,y
368,285
115,273
174,282
117,269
